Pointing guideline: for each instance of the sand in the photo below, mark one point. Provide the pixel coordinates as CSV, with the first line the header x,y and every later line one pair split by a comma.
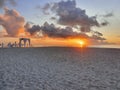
x,y
59,69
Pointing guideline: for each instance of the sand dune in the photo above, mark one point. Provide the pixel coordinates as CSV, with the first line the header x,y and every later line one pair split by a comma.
x,y
59,69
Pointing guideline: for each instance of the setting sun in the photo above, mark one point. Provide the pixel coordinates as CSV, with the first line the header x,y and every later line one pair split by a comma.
x,y
82,43
78,42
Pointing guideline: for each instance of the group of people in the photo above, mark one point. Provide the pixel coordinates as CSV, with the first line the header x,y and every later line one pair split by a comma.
x,y
23,42
13,45
9,45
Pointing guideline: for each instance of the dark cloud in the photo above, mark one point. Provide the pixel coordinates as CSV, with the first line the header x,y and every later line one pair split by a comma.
x,y
12,22
33,29
67,32
3,2
97,33
53,18
71,15
105,23
97,36
85,29
52,31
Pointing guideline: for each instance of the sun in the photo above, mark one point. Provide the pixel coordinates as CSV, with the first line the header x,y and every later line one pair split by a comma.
x,y
78,42
81,43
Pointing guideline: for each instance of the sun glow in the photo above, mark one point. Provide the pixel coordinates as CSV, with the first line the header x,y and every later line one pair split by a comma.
x,y
46,41
78,42
82,43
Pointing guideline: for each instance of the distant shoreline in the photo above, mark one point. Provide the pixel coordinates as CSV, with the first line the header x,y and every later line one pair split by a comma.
x,y
45,47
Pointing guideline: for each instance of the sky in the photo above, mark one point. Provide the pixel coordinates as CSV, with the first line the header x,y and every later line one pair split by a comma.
x,y
97,18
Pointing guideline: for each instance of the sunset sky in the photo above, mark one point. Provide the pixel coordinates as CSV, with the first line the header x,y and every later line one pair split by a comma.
x,y
101,17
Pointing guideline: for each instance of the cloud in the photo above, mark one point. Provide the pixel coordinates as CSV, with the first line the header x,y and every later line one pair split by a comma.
x,y
105,23
32,29
46,6
12,21
3,2
44,9
67,32
95,37
108,15
68,14
71,15
52,31
97,33
105,17
53,18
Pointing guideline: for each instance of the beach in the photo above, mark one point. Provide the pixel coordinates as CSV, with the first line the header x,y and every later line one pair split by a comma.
x,y
59,68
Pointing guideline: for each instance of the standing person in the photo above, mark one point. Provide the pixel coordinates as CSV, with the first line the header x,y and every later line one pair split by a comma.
x,y
9,45
15,44
2,45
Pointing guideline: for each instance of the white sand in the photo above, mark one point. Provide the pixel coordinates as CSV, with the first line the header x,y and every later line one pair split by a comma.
x,y
59,69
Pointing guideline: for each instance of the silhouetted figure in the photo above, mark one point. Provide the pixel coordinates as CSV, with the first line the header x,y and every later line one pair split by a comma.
x,y
2,45
15,44
9,45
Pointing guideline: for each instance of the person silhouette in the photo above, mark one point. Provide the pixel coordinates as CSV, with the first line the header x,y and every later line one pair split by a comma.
x,y
9,45
15,44
2,45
